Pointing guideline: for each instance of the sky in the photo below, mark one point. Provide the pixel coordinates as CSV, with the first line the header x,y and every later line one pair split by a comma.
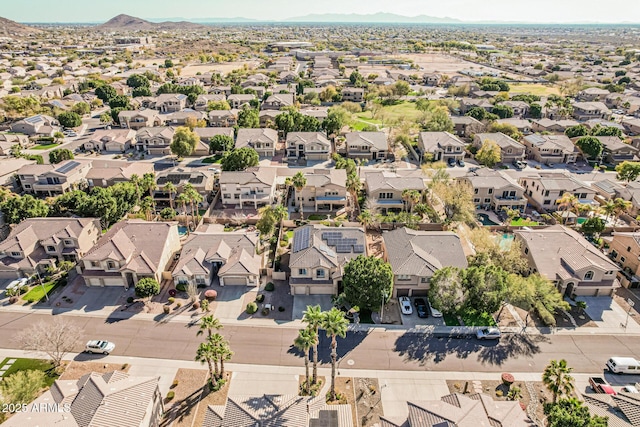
x,y
542,11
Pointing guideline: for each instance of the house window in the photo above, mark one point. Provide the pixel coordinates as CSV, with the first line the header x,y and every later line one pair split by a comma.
x,y
583,195
111,265
51,249
475,191
476,200
526,251
547,202
622,259
487,200
226,196
320,274
424,280
27,186
15,254
589,275
68,242
491,191
546,193
302,271
403,277
628,248
95,264
236,196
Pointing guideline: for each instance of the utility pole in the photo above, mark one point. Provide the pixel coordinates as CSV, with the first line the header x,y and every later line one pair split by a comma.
x,y
631,304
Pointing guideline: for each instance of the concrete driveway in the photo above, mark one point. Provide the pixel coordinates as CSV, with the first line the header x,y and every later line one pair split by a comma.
x,y
606,313
300,303
397,391
95,299
244,383
229,301
412,320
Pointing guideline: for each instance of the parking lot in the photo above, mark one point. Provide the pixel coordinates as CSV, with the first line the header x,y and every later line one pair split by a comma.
x,y
412,320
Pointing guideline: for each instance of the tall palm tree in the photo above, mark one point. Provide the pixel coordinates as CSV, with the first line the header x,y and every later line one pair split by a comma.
x,y
135,180
335,324
557,379
209,323
365,218
566,203
299,181
224,354
622,206
146,206
314,318
608,209
183,199
206,353
353,187
304,341
170,188
410,197
149,182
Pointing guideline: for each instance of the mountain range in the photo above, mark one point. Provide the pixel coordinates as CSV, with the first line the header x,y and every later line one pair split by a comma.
x,y
126,22
9,27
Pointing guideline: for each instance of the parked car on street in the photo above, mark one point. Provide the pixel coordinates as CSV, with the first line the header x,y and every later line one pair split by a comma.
x,y
488,334
99,346
405,305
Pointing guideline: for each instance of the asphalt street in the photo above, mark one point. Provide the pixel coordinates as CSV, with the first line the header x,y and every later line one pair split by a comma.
x,y
377,349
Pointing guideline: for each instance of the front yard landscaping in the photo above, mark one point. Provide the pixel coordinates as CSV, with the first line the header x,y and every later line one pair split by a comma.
x,y
213,159
32,365
521,222
44,146
37,293
469,318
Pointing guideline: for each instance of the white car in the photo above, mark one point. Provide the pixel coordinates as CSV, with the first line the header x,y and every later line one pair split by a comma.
x,y
630,389
16,284
98,346
405,305
488,334
434,312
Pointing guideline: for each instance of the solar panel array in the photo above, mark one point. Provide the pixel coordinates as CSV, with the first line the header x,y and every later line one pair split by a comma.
x,y
301,239
342,244
358,249
67,167
331,235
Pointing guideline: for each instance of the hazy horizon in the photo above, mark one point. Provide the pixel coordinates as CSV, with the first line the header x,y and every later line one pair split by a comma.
x,y
544,11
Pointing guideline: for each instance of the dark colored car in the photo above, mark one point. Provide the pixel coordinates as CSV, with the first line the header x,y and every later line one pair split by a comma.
x,y
422,310
461,162
419,301
451,161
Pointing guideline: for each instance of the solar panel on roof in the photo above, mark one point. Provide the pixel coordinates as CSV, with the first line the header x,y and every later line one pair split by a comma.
x,y
67,167
343,248
349,241
358,249
301,239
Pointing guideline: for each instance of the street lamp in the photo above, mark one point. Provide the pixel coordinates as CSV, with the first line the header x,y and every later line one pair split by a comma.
x,y
631,304
42,284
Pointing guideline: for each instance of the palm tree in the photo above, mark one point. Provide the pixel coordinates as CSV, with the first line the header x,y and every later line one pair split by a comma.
x,y
622,206
183,200
190,193
170,188
206,353
135,180
566,203
304,341
224,354
146,206
353,186
608,209
557,379
149,182
421,209
335,324
410,197
209,323
365,218
314,317
299,181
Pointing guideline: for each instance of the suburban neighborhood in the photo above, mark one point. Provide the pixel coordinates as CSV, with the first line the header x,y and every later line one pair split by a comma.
x,y
319,224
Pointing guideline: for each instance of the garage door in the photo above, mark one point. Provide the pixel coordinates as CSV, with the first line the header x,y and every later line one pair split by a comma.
x,y
9,274
402,292
235,281
300,290
94,282
113,281
420,293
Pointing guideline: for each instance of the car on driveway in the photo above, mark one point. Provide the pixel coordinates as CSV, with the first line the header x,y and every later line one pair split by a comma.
x,y
460,162
434,312
421,307
451,161
405,305
419,301
99,346
488,334
17,284
630,389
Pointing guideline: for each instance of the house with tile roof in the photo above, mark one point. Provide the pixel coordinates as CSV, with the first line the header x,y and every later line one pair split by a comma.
x,y
459,410
623,409
138,119
367,145
550,149
615,151
206,135
263,140
37,243
129,251
105,173
277,101
571,262
231,257
201,180
155,140
510,149
39,125
278,411
544,189
223,118
302,146
318,256
384,189
251,188
96,400
441,146
171,102
624,250
416,255
52,180
466,126
495,190
111,140
325,192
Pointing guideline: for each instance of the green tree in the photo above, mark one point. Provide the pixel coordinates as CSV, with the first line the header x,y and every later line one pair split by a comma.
x,y
22,387
628,171
457,201
141,91
240,159
120,101
572,413
506,128
267,222
303,342
218,105
446,290
313,316
208,324
147,288
138,80
69,119
606,131
60,154
299,181
502,111
489,153
536,293
81,108
593,226
591,146
221,143
556,377
438,120
105,93
477,113
535,110
576,131
368,282
184,142
16,209
337,118
248,118
335,325
485,287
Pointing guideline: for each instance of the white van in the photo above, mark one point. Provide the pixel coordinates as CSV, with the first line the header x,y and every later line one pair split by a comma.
x,y
623,365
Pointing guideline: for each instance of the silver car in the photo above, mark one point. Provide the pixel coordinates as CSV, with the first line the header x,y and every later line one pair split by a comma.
x,y
405,305
99,346
488,334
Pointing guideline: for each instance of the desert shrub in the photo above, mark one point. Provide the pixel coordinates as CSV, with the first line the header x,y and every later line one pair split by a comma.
x,y
178,304
174,384
182,287
545,315
166,309
252,307
171,395
171,300
196,305
260,298
265,311
172,292
270,287
211,294
129,300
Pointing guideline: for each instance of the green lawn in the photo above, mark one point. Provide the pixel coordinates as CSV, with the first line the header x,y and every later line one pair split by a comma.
x,y
403,110
316,217
523,222
213,159
37,293
289,234
44,146
35,365
533,89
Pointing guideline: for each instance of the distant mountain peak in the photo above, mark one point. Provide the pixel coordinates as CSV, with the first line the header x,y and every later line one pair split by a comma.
x,y
127,22
9,27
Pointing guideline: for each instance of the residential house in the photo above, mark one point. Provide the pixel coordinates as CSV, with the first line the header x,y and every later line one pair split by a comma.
x,y
583,111
277,101
263,140
111,140
129,251
441,146
548,125
38,243
632,126
353,94
206,134
466,126
367,145
318,257
112,398
238,101
545,189
520,108
624,250
571,262
8,140
201,181
202,101
278,410
523,125
616,151
431,79
221,90
155,140
307,146
251,188
550,149
495,190
461,410
268,117
223,118
384,190
592,94
9,173
53,180
510,149
137,120
467,104
621,410
415,256
39,125
171,102
181,118
231,257
326,191
105,173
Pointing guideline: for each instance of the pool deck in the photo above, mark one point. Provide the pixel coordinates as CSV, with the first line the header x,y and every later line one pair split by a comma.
x,y
491,217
